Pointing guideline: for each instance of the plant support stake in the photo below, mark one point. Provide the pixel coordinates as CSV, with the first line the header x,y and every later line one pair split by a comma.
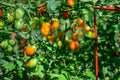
x,y
96,49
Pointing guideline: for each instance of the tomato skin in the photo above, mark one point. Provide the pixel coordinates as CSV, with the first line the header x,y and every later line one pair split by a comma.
x,y
18,24
30,50
31,62
74,45
71,3
10,17
19,13
34,23
1,14
80,22
65,14
4,44
12,42
9,48
55,24
59,43
87,28
45,28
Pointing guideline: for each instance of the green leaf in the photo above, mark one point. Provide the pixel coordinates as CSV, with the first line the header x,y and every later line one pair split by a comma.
x,y
58,76
8,65
52,6
39,71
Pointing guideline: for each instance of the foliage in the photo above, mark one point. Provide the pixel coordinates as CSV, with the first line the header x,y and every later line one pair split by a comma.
x,y
24,24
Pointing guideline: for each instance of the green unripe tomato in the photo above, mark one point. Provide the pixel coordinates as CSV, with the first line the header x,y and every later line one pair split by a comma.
x,y
34,23
31,62
4,44
12,42
59,43
19,13
19,24
10,17
9,48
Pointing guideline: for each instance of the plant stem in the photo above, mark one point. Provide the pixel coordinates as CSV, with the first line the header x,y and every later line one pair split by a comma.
x,y
6,4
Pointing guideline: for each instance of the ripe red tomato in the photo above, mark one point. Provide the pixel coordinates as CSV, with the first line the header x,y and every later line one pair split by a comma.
x,y
1,13
65,14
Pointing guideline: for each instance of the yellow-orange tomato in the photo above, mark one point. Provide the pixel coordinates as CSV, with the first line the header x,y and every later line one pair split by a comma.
x,y
51,37
80,22
87,28
74,45
74,20
45,28
30,50
55,24
71,3
74,36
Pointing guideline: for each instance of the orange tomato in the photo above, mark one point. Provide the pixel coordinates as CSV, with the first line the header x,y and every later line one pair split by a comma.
x,y
79,27
71,3
80,22
87,28
74,36
30,50
74,20
74,45
45,28
55,24
51,37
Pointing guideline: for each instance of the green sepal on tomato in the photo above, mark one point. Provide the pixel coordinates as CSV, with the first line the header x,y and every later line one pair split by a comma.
x,y
19,24
31,62
19,13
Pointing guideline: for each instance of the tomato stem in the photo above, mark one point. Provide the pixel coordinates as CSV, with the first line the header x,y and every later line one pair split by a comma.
x,y
6,4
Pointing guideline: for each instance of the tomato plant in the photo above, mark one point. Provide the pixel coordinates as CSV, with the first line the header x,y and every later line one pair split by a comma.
x,y
55,39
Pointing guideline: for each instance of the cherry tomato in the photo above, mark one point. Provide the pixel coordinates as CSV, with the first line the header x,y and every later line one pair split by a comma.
x,y
31,62
65,14
4,44
9,48
19,24
34,23
19,13
12,42
10,17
